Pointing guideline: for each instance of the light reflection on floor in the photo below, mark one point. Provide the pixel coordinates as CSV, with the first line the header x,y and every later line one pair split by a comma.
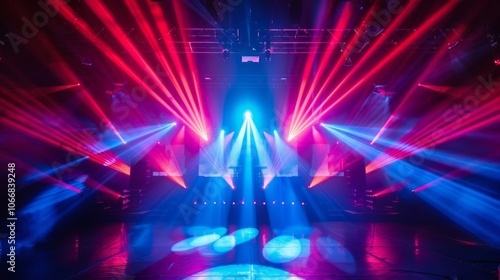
x,y
333,250
243,271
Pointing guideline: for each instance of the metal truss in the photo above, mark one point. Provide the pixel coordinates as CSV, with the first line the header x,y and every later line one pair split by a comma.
x,y
297,40
286,40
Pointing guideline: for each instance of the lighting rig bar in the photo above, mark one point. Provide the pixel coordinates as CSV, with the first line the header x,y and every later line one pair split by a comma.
x,y
297,40
288,40
307,40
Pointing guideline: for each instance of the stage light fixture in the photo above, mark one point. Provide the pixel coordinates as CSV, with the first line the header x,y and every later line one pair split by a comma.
x,y
86,61
380,89
225,54
267,54
348,62
248,114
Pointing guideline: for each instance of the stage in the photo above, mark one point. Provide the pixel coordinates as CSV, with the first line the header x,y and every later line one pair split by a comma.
x,y
250,139
329,250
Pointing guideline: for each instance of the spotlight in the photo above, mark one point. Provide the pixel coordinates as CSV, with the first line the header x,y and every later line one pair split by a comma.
x,y
348,62
452,45
225,54
86,61
497,61
267,54
380,89
248,114
222,132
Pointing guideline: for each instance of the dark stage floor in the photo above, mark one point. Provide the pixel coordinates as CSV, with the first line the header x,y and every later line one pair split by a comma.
x,y
329,250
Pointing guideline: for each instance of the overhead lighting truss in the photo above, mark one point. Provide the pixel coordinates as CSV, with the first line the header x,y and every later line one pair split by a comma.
x,y
297,40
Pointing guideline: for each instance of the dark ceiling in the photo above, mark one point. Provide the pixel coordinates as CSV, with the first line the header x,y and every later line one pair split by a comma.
x,y
244,27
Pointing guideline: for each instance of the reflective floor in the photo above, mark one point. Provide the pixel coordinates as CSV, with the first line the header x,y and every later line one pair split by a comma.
x,y
330,250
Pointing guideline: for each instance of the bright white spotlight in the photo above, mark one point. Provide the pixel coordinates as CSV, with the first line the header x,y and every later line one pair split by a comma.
x,y
222,132
248,114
